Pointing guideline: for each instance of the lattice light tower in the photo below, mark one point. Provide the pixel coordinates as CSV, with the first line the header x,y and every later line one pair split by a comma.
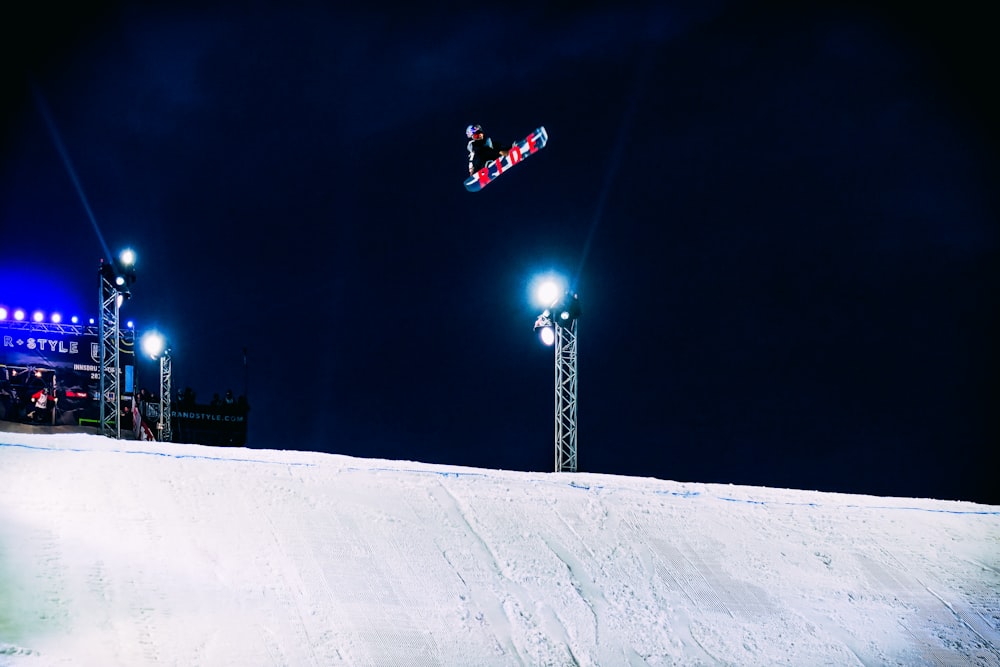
x,y
166,369
110,424
155,345
558,325
113,291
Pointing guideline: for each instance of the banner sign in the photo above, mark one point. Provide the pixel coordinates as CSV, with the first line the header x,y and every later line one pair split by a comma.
x,y
70,346
222,425
66,358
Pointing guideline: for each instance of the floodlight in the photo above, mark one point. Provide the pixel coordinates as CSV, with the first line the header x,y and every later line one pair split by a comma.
x,y
153,344
546,288
108,272
38,316
74,319
56,318
126,263
543,325
548,292
568,309
130,324
18,314
548,335
3,313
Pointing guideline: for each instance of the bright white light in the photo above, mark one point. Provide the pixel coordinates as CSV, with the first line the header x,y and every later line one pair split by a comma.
x,y
38,316
130,324
153,344
56,318
74,319
548,335
3,313
546,288
548,292
127,257
18,314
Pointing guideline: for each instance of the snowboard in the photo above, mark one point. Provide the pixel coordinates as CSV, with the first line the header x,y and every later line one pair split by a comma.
x,y
532,143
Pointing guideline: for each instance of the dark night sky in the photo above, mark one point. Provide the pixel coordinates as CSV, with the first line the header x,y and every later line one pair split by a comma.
x,y
783,223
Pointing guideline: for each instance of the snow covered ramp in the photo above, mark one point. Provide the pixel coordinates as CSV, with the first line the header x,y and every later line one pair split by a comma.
x,y
129,553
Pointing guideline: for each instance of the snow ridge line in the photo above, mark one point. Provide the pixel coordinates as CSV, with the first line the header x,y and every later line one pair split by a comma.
x,y
162,454
688,494
572,484
930,510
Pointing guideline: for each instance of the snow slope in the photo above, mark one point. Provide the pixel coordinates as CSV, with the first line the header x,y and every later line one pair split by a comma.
x,y
129,553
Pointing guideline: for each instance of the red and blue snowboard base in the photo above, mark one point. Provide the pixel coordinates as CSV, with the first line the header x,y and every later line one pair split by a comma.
x,y
532,143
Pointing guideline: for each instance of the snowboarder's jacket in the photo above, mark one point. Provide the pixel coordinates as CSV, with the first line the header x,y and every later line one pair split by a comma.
x,y
482,151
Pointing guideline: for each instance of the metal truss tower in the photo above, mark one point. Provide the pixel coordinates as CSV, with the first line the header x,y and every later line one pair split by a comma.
x,y
557,325
566,383
110,333
165,434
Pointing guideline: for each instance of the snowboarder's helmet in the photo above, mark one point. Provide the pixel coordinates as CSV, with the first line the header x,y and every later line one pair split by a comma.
x,y
473,129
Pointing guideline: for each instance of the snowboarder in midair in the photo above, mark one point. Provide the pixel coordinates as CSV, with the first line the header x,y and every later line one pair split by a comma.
x,y
487,162
481,148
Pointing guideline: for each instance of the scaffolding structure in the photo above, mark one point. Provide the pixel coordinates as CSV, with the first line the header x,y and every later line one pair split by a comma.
x,y
110,336
558,326
113,291
566,382
165,434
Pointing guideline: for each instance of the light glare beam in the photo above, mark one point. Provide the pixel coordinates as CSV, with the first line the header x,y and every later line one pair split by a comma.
x,y
43,109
